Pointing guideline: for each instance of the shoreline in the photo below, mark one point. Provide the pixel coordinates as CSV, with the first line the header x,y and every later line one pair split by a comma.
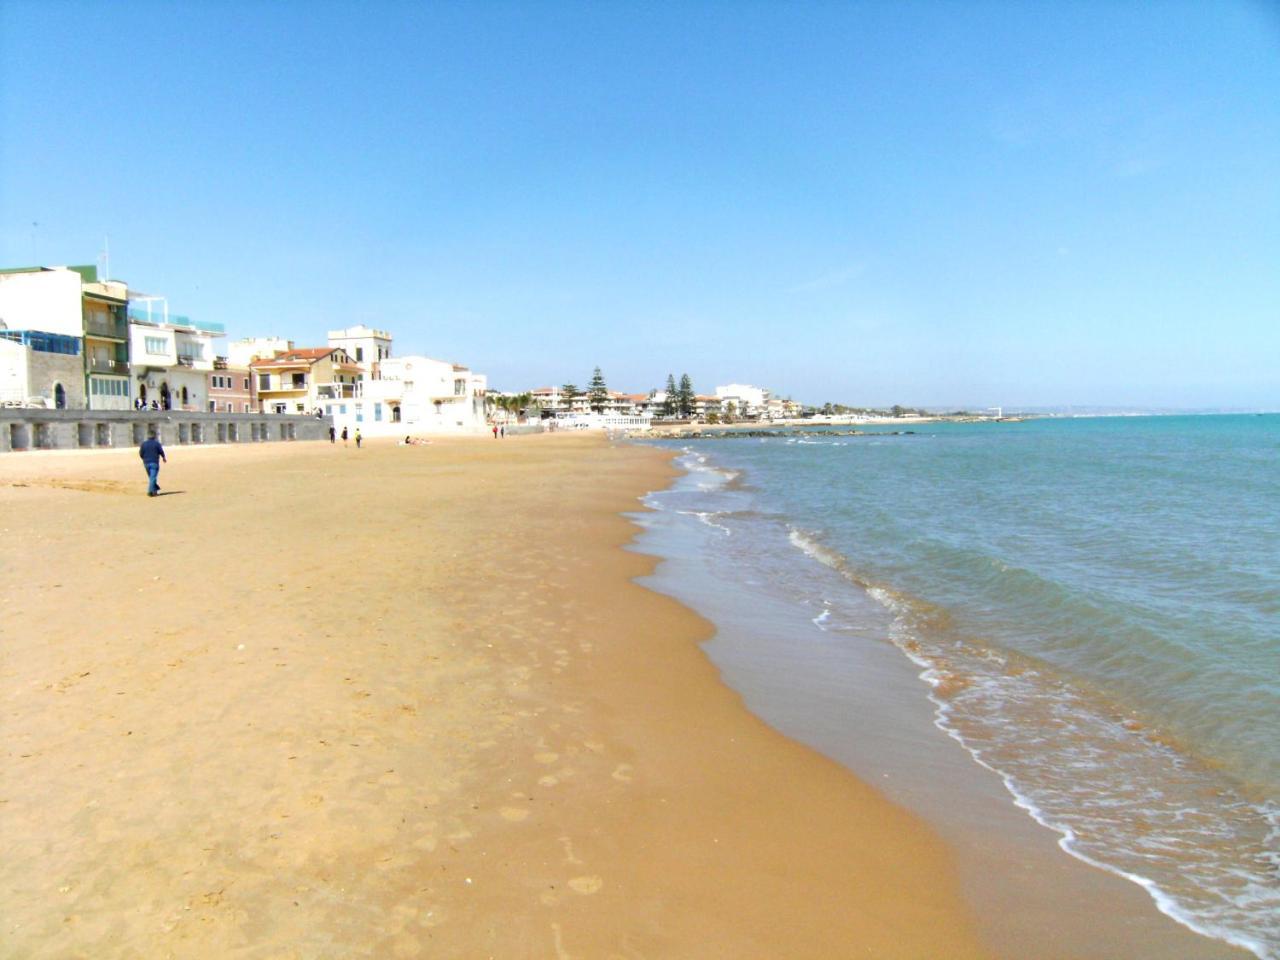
x,y
408,700
1033,896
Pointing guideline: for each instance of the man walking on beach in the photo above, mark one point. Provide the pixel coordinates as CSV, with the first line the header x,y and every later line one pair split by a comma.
x,y
152,453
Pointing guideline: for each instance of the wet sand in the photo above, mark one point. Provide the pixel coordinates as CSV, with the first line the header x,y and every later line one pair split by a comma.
x,y
398,702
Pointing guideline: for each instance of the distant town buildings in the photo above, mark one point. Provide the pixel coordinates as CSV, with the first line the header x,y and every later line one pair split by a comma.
x,y
70,339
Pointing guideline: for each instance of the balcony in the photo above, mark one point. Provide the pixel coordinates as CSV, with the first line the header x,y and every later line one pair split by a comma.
x,y
95,327
186,361
335,391
118,367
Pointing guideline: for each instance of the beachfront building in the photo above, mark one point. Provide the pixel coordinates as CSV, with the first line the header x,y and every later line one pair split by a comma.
x,y
105,308
555,404
705,406
73,333
42,338
231,388
414,395
40,369
743,400
364,345
303,381
171,355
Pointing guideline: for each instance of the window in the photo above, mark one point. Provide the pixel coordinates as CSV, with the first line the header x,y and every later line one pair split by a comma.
x,y
359,413
299,381
377,411
156,345
246,385
246,407
459,387
44,342
359,354
108,388
213,406
264,381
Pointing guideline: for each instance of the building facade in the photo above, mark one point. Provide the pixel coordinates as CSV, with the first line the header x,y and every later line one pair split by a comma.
x,y
743,400
304,381
365,346
231,388
171,357
105,305
71,332
415,395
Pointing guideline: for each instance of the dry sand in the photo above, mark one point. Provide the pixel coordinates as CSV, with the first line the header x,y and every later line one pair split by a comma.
x,y
399,702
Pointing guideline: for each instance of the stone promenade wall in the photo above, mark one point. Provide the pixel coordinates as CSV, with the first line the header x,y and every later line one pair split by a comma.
x,y
24,429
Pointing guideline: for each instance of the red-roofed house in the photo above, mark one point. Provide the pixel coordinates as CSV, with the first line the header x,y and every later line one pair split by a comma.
x,y
303,380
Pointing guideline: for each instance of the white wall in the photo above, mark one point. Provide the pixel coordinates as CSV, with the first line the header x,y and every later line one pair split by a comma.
x,y
48,301
240,353
425,392
13,372
140,356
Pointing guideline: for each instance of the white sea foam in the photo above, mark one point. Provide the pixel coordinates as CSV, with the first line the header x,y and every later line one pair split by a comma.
x,y
1221,901
707,517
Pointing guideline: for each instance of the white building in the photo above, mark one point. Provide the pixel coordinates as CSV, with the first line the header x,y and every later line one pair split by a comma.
x,y
747,401
171,356
70,331
366,346
414,395
241,353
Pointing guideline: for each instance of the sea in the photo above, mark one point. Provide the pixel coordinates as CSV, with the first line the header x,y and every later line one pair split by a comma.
x,y
1090,607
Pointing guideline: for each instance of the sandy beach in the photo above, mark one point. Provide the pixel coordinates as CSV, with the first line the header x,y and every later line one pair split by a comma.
x,y
316,701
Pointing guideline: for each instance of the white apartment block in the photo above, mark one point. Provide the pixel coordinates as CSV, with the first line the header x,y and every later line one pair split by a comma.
x,y
366,346
171,357
414,395
746,400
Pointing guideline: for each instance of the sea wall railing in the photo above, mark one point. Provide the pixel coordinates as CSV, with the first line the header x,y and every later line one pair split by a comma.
x,y
28,429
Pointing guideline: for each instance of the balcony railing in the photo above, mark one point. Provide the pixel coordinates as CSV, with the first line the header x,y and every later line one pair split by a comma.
x,y
108,366
105,328
186,361
336,391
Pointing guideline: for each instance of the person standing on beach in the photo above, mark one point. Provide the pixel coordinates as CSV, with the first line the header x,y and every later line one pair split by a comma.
x,y
344,436
332,433
152,453
495,431
357,438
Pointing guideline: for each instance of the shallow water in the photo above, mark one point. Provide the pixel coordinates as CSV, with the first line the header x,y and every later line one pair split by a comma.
x,y
1093,604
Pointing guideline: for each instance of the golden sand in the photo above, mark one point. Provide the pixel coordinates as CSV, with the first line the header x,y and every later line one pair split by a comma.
x,y
404,702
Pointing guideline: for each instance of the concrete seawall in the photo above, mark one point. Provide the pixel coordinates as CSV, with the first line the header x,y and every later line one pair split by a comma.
x,y
32,430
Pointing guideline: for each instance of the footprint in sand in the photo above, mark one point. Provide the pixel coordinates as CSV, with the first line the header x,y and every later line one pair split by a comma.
x,y
586,885
514,814
622,773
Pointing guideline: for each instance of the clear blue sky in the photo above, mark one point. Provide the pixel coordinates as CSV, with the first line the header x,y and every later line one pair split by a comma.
x,y
920,203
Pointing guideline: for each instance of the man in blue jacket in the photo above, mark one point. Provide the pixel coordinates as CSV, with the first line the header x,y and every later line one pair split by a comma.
x,y
152,453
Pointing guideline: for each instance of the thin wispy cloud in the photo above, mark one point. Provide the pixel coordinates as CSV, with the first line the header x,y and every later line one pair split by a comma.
x,y
836,278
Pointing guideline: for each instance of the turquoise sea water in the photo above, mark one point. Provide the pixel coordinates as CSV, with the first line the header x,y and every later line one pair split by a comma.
x,y
1093,603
